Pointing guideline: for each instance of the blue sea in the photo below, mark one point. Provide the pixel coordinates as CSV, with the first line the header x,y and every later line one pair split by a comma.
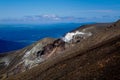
x,y
17,36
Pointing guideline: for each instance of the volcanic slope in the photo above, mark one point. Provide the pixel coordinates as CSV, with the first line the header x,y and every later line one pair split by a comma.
x,y
90,52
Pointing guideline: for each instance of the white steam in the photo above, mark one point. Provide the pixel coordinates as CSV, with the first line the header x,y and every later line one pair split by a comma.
x,y
70,36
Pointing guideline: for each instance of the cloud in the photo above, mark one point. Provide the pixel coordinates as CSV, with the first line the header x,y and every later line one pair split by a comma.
x,y
55,18
97,11
102,11
43,18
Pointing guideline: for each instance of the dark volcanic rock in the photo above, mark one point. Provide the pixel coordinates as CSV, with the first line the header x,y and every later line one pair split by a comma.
x,y
94,58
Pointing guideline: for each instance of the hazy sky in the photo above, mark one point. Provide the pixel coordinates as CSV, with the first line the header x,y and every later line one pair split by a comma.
x,y
59,10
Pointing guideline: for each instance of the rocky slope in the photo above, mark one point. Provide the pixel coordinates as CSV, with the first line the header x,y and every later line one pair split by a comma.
x,y
90,52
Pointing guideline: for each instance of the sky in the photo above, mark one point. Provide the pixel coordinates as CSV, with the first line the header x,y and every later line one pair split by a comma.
x,y
51,11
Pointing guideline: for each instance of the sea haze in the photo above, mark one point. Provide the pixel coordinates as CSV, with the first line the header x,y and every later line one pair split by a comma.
x,y
17,36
